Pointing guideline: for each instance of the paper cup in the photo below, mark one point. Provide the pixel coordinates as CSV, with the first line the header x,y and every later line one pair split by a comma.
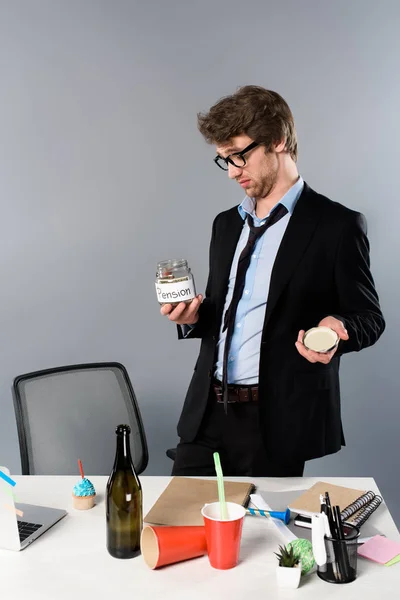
x,y
162,546
223,537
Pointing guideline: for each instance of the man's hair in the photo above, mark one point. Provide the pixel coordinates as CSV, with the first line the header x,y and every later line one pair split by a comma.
x,y
261,114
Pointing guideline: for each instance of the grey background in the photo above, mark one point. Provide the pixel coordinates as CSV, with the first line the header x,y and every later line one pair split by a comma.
x,y
103,173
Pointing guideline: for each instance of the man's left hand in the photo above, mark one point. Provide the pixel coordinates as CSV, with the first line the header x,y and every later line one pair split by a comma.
x,y
322,357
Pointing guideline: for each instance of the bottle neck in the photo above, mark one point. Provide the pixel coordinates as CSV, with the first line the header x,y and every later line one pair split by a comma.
x,y
123,458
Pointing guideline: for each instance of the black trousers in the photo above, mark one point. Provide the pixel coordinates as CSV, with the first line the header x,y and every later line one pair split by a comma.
x,y
236,437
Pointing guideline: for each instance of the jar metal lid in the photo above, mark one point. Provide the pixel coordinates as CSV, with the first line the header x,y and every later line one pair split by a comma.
x,y
172,263
320,339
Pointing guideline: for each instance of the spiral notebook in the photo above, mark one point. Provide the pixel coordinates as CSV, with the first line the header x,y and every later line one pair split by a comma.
x,y
361,509
308,503
356,506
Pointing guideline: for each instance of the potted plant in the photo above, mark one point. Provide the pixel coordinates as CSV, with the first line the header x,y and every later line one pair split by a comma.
x,y
288,572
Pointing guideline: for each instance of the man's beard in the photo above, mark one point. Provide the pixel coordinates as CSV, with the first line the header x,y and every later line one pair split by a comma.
x,y
267,184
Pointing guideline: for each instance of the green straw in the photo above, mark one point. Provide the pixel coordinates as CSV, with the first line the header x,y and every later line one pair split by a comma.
x,y
221,492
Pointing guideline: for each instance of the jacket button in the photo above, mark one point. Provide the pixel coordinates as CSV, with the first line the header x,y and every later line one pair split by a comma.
x,y
213,337
210,373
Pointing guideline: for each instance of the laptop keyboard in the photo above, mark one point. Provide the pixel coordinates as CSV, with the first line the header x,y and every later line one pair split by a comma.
x,y
26,529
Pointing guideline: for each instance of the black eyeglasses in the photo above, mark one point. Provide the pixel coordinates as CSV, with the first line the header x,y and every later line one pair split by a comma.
x,y
236,159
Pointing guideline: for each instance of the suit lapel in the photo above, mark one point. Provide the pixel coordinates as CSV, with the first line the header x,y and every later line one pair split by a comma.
x,y
295,241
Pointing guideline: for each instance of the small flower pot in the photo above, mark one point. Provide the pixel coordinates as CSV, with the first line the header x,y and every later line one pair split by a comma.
x,y
288,577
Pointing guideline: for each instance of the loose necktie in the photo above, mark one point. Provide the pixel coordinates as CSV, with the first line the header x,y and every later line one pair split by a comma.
x,y
243,264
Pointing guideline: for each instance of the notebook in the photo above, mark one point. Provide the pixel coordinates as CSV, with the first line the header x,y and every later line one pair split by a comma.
x,y
184,497
309,503
361,509
356,513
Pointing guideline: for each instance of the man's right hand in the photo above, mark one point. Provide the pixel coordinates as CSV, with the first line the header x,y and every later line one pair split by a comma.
x,y
183,314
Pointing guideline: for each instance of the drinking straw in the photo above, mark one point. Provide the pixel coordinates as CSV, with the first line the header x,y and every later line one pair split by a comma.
x,y
221,491
81,468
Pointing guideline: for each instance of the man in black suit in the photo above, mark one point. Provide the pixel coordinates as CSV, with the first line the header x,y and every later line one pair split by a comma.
x,y
258,395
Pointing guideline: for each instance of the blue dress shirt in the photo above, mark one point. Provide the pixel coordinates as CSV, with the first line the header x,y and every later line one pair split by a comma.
x,y
244,355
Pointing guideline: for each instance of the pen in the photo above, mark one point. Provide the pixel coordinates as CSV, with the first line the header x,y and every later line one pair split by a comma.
x,y
338,522
334,550
342,554
330,552
330,516
328,501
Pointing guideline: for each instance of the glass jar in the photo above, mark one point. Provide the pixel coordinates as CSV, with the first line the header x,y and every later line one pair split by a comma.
x,y
174,282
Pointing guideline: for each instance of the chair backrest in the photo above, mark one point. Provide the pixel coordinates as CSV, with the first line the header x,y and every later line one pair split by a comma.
x,y
71,412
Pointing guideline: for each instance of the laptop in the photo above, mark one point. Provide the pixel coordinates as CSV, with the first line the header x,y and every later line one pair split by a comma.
x,y
19,531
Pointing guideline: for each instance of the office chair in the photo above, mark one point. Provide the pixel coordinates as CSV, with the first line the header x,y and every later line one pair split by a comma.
x,y
171,453
71,412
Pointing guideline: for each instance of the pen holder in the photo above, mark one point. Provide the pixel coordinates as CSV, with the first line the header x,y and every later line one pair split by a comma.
x,y
341,557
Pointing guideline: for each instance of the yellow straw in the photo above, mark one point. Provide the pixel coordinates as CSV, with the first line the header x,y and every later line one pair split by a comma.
x,y
221,491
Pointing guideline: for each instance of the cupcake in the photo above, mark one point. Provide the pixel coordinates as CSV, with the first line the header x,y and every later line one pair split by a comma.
x,y
83,494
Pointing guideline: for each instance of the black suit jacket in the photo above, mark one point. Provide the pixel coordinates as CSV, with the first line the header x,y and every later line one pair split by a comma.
x,y
321,268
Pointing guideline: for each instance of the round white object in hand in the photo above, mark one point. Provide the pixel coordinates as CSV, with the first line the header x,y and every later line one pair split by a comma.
x,y
320,339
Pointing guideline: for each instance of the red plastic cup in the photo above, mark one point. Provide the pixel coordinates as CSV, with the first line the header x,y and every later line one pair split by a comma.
x,y
223,537
162,546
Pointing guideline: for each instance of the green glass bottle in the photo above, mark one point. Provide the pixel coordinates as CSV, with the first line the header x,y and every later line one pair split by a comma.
x,y
123,501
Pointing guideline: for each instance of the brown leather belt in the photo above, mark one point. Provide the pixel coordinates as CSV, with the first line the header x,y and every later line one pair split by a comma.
x,y
237,393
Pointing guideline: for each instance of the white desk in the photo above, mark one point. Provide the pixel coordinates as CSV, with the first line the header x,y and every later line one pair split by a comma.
x,y
70,561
